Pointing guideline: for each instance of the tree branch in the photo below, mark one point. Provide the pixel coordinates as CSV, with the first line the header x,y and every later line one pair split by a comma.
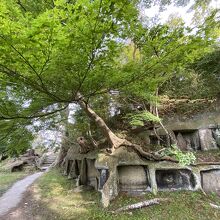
x,y
32,116
33,84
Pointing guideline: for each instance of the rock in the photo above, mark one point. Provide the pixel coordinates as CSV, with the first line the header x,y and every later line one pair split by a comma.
x,y
17,165
206,140
188,143
181,143
188,140
211,181
24,162
29,153
216,134
172,137
195,141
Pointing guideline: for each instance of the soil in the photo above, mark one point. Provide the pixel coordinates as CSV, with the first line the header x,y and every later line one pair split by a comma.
x,y
207,156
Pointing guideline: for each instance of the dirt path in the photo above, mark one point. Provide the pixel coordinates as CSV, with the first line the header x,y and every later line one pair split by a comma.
x,y
14,195
26,209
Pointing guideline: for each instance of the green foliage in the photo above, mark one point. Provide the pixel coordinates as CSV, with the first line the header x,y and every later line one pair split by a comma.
x,y
184,159
51,50
57,191
138,119
200,80
208,69
15,138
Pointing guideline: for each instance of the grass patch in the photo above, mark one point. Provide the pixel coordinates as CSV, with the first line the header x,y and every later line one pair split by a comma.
x,y
2,165
57,200
7,179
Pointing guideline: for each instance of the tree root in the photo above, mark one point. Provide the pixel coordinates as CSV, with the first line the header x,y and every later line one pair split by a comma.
x,y
147,155
206,163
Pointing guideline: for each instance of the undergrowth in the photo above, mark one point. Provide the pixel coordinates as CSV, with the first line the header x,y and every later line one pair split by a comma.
x,y
59,201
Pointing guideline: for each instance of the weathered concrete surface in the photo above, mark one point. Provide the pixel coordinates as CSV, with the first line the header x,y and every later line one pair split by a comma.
x,y
199,121
126,171
14,195
206,140
133,178
129,159
92,173
216,134
181,142
211,181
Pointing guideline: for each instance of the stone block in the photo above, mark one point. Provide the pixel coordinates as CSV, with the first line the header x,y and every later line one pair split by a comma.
x,y
207,141
133,178
211,181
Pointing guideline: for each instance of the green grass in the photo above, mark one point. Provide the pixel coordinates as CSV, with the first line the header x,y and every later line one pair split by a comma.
x,y
2,165
7,179
57,200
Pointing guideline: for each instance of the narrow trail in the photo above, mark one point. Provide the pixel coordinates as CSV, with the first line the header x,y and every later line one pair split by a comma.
x,y
14,195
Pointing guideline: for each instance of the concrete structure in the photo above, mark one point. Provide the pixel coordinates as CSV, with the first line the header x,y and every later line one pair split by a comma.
x,y
125,171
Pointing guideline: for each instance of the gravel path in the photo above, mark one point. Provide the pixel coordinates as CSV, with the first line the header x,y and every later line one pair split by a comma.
x,y
14,195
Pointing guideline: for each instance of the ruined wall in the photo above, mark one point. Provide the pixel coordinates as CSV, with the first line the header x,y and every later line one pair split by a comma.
x,y
199,132
126,172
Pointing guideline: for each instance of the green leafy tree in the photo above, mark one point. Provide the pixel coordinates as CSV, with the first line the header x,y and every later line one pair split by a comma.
x,y
71,52
208,69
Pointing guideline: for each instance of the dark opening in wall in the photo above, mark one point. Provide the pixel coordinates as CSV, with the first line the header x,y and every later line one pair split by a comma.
x,y
211,180
133,179
163,140
73,170
78,166
154,140
188,139
19,167
175,179
69,166
216,136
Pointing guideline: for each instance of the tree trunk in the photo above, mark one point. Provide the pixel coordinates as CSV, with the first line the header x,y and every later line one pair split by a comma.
x,y
64,146
115,141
